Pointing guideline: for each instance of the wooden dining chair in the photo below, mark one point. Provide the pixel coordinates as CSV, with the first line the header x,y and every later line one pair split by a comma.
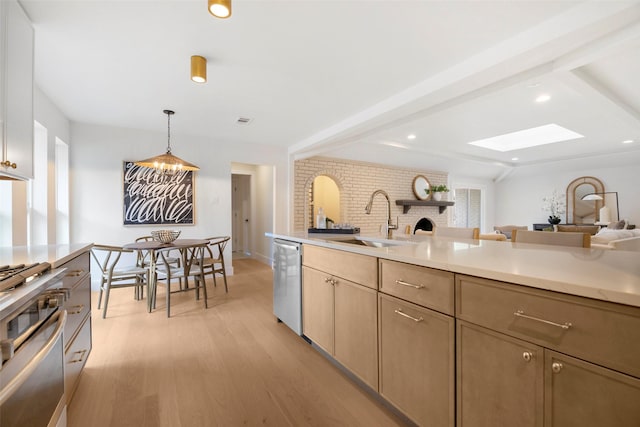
x,y
144,261
115,275
213,262
456,232
581,240
192,260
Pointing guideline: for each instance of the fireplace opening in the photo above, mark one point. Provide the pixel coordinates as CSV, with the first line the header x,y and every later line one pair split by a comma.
x,y
425,224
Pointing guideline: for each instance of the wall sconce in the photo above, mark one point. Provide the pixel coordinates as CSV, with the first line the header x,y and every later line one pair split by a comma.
x,y
198,69
220,8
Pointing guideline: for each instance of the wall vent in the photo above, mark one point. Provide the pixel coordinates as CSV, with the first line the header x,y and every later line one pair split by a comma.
x,y
243,120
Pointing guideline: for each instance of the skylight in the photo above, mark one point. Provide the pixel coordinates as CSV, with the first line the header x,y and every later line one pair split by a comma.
x,y
541,135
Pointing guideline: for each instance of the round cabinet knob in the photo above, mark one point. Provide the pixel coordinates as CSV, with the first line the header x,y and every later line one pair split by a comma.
x,y
327,280
556,367
527,356
8,164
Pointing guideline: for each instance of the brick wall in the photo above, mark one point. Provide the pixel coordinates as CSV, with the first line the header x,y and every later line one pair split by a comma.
x,y
357,181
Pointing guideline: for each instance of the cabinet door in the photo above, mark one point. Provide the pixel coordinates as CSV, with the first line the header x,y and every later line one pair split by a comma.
x,y
18,113
356,329
499,379
417,361
317,307
578,393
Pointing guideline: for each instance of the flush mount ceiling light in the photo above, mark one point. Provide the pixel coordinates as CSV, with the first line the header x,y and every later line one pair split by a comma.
x,y
412,136
627,141
220,8
198,69
167,164
541,135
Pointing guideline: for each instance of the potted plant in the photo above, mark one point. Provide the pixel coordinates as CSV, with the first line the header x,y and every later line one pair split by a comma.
x,y
437,191
555,205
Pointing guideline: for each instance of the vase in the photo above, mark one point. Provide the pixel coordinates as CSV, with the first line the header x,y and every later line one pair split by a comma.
x,y
437,196
554,220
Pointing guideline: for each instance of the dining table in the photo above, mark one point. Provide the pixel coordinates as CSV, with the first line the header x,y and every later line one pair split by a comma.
x,y
152,247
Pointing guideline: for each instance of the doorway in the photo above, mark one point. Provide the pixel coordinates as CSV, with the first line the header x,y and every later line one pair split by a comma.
x,y
240,215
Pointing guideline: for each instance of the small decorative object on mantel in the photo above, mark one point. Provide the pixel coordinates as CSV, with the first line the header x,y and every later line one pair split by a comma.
x,y
555,205
437,191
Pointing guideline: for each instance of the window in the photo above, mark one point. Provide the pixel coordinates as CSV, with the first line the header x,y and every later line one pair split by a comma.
x,y
468,208
62,191
37,192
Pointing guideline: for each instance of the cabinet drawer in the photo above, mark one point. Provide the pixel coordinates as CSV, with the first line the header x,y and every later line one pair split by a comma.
x,y
75,358
357,268
420,285
77,268
77,306
604,333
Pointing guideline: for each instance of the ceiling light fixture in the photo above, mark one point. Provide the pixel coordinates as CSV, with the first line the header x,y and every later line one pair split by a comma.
x,y
627,141
543,98
167,164
412,136
198,69
220,8
515,159
533,137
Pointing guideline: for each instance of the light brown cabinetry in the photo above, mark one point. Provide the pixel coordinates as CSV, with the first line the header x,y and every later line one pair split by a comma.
x,y
584,354
417,353
317,308
16,91
417,361
77,332
339,308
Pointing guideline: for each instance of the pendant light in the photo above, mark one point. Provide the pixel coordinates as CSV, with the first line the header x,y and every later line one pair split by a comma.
x,y
167,164
220,8
198,69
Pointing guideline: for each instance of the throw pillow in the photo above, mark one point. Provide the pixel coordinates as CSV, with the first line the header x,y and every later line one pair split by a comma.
x,y
620,225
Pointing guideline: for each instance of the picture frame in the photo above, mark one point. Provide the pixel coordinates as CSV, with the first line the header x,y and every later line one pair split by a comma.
x,y
150,198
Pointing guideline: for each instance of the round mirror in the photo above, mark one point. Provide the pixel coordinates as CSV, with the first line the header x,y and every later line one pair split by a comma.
x,y
420,187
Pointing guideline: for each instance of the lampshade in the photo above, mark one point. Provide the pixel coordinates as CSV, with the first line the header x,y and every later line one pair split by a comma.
x,y
167,163
198,69
220,8
592,196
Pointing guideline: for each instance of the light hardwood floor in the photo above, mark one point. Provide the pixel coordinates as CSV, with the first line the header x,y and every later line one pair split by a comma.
x,y
229,365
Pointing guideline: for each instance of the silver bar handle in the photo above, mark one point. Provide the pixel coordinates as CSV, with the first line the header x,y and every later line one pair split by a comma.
x,y
402,313
24,374
564,326
411,285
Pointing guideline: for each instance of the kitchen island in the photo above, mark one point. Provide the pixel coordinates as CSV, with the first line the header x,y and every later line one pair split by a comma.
x,y
479,333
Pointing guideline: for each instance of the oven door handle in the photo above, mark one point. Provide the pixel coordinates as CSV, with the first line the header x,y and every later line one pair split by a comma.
x,y
24,374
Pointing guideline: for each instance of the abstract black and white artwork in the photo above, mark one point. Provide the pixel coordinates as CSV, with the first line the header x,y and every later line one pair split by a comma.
x,y
152,198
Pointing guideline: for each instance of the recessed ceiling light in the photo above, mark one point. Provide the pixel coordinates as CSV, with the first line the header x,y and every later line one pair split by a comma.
x,y
627,141
411,136
543,98
514,159
394,144
541,135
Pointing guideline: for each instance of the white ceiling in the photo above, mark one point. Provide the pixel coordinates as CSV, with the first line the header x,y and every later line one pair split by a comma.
x,y
353,78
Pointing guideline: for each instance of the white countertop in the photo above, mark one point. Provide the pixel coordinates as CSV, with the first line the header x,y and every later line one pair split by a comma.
x,y
606,275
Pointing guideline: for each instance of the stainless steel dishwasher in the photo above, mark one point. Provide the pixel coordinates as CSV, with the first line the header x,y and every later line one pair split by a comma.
x,y
287,283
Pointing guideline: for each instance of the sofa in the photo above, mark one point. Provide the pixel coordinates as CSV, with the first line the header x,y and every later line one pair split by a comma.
x,y
623,240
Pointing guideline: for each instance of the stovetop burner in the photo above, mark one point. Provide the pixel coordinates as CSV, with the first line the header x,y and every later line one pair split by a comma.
x,y
12,276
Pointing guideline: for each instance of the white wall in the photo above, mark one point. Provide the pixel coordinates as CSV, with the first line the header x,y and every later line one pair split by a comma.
x,y
96,175
519,197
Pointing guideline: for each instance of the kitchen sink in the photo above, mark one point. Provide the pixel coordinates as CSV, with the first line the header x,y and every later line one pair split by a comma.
x,y
374,243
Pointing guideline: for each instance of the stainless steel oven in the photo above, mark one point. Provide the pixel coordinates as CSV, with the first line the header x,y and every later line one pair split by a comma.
x,y
32,321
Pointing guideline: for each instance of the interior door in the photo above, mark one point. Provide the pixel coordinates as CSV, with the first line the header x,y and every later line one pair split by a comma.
x,y
241,209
